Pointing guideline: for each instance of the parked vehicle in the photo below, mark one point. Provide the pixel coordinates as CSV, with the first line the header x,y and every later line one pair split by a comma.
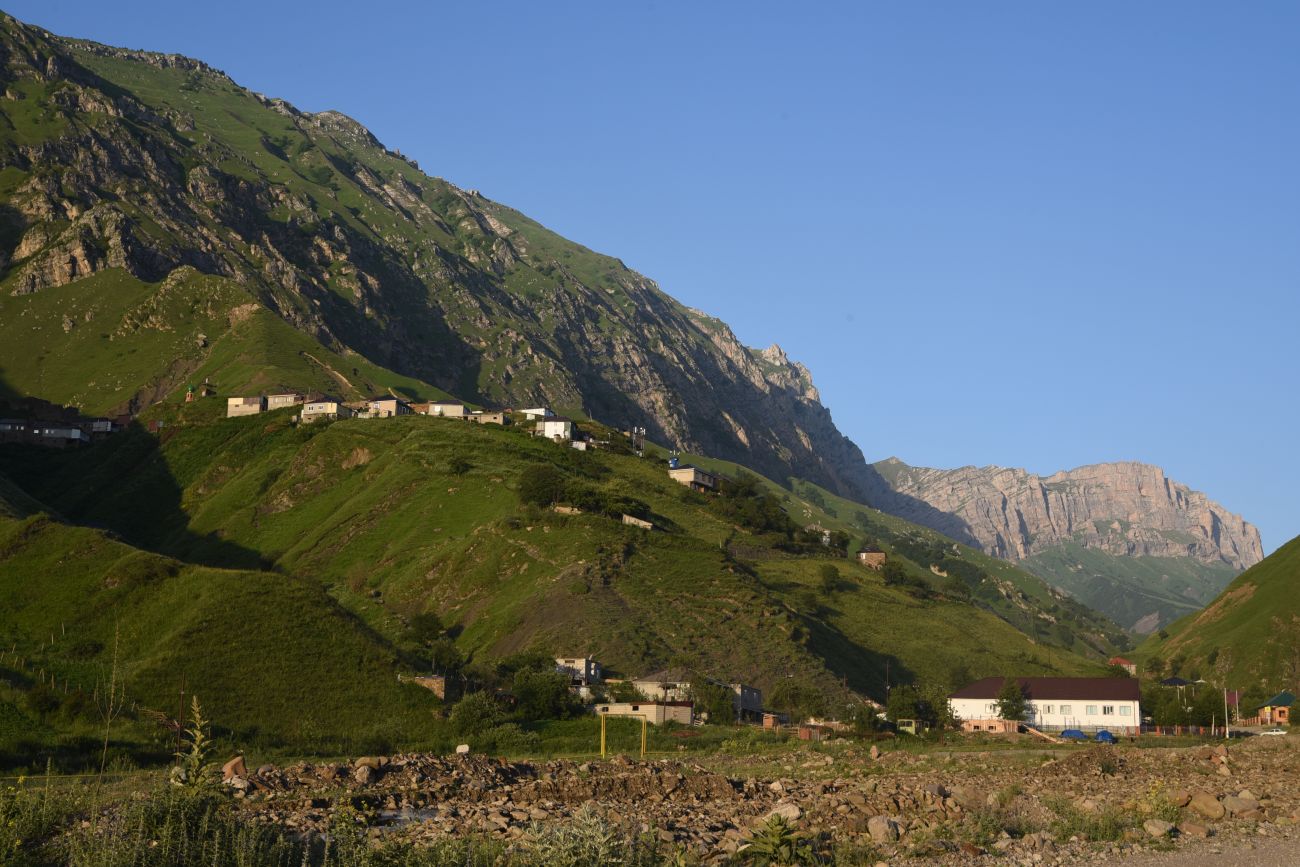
x,y
1073,735
1272,732
1105,737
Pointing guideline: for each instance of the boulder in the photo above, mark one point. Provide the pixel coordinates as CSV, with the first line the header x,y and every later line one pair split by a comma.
x,y
365,774
882,829
462,749
1158,827
1205,804
1235,805
1193,829
786,810
234,768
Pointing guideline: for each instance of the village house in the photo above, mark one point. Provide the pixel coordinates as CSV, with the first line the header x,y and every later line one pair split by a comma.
x,y
388,407
280,401
536,413
441,409
1130,667
494,416
237,406
654,712
872,558
1055,703
556,428
694,478
328,408
58,435
670,685
13,430
582,670
1277,710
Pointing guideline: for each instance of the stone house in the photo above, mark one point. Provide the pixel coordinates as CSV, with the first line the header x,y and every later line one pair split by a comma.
x,y
694,478
441,409
670,685
1056,703
633,521
1130,667
280,401
1277,710
556,428
388,407
583,670
237,406
872,558
654,712
494,416
328,408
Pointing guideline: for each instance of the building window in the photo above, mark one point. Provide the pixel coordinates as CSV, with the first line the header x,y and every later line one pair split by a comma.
x,y
1108,710
1125,710
1091,710
1047,708
636,707
1065,709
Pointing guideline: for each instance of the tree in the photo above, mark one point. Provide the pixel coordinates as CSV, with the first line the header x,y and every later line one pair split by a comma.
x,y
713,699
475,714
541,694
1116,671
1011,702
828,578
894,573
541,485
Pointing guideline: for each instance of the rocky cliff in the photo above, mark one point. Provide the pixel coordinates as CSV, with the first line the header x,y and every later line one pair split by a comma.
x,y
1124,537
158,167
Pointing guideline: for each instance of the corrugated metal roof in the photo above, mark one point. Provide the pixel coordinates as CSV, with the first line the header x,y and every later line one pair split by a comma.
x,y
1055,688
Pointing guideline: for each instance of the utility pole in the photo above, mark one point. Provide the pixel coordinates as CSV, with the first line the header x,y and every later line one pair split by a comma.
x,y
1225,713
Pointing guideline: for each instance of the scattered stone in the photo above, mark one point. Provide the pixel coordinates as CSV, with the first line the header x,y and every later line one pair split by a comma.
x,y
1193,829
1158,827
883,829
1207,805
786,810
462,749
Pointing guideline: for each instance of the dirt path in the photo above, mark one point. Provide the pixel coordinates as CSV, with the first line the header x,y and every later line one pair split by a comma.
x,y
1265,852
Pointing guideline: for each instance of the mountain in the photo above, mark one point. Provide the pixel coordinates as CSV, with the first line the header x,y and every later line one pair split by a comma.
x,y
1248,637
161,224
1123,538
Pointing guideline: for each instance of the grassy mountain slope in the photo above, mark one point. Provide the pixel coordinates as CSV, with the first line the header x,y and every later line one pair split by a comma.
x,y
398,517
163,175
1140,592
1249,636
1013,594
70,595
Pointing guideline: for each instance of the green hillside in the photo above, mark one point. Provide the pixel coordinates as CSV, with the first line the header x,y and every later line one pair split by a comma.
x,y
399,517
70,597
1139,592
1249,636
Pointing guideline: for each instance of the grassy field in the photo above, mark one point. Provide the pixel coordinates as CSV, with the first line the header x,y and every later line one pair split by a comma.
x,y
1248,637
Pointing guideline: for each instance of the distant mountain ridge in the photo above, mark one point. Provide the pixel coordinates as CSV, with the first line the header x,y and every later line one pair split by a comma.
x,y
1097,531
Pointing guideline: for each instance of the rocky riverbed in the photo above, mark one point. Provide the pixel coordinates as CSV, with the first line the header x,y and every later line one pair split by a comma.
x,y
1022,806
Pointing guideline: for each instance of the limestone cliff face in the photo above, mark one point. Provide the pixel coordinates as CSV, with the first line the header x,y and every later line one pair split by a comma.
x,y
1129,509
351,243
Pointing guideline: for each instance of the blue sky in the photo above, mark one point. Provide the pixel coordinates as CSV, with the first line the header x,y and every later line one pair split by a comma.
x,y
1027,234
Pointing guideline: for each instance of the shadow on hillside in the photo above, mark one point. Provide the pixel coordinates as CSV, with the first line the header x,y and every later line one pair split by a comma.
x,y
123,485
864,670
881,495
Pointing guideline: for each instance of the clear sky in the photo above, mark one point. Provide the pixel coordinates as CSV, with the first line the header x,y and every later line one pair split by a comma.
x,y
1013,233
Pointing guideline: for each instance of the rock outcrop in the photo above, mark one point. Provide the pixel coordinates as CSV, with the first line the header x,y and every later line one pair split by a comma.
x,y
1127,509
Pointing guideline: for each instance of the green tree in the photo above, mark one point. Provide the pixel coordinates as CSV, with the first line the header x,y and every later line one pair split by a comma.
x,y
713,699
828,578
894,573
542,695
541,485
1011,701
475,714
1116,671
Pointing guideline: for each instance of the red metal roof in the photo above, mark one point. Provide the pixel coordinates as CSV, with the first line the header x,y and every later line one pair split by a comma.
x,y
1043,688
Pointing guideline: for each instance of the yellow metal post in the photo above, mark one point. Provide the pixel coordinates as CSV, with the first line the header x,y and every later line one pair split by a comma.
x,y
645,724
602,736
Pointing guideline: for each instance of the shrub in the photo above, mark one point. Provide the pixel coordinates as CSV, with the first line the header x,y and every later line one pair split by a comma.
x,y
541,485
475,714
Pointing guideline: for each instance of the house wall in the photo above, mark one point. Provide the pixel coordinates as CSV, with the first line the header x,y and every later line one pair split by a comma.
x,y
447,410
654,713
237,406
1085,713
279,401
487,417
872,559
